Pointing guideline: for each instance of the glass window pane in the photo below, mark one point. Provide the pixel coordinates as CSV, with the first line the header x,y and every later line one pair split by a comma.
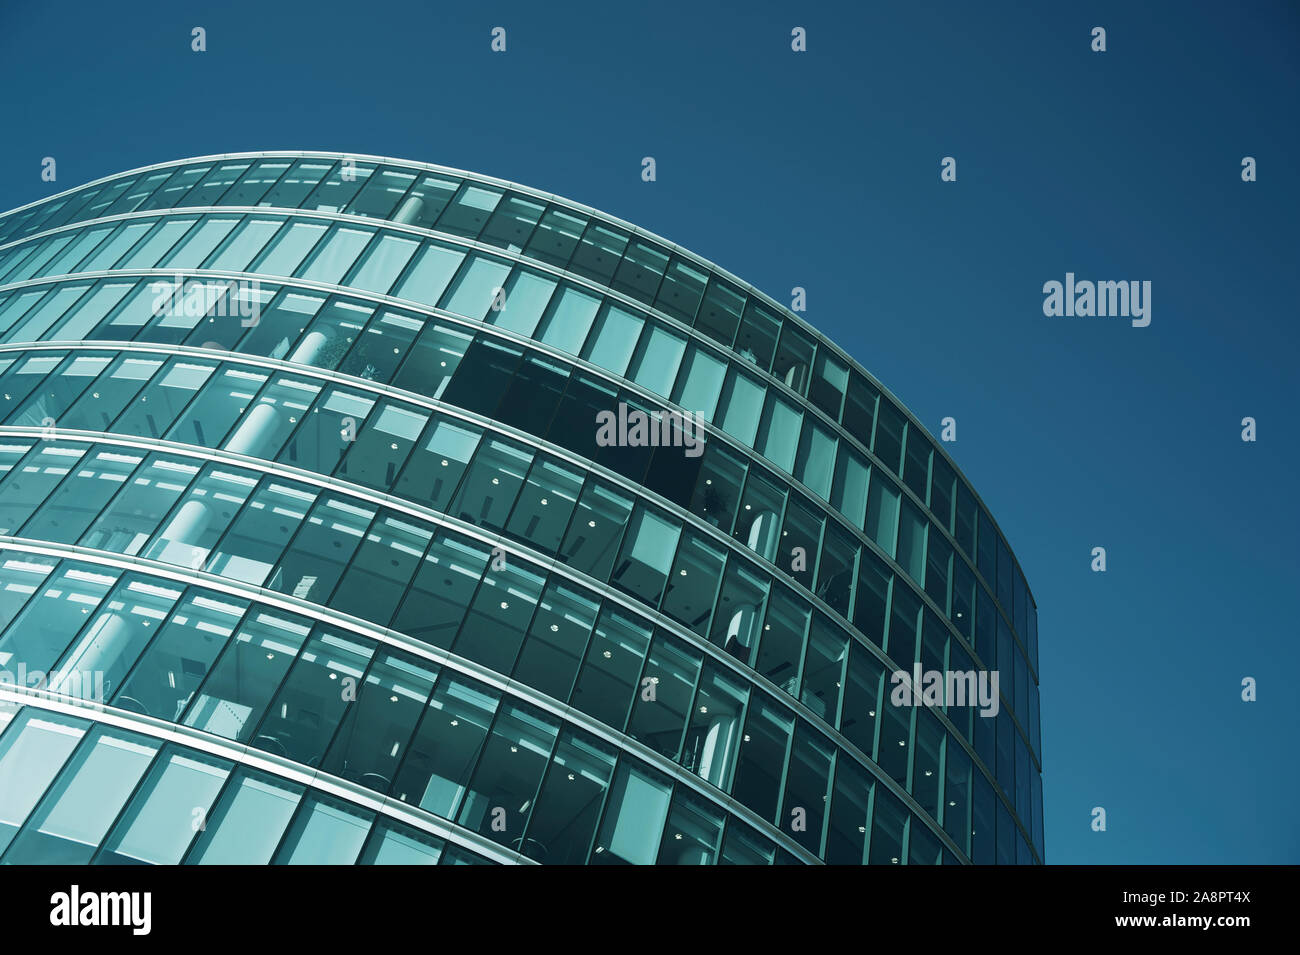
x,y
599,253
428,278
499,615
32,751
609,677
433,472
756,342
807,787
171,805
641,270
441,589
846,837
371,741
714,734
681,290
693,832
656,361
660,717
247,824
326,831
916,469
89,312
492,483
336,254
647,556
255,182
568,319
741,407
613,340
200,242
526,296
889,437
740,611
563,823
794,358
816,459
634,818
823,670
762,757
557,639
700,383
427,199
882,513
246,244
505,782
290,191
476,288
911,541
849,495
693,582
383,263
322,549
344,181
241,683
54,615
469,211
556,236
311,703
391,844
591,543
75,814
446,746
512,223
115,637
172,668
289,248
381,193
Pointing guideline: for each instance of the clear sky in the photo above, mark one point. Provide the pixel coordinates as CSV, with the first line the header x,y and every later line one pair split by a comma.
x,y
821,169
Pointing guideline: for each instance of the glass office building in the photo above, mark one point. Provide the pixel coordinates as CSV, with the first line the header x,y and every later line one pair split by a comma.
x,y
310,550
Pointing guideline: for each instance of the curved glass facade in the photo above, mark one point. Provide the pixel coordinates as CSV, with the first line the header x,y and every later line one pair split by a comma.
x,y
300,473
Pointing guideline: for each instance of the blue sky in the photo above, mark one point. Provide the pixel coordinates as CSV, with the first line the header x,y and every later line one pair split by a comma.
x,y
821,169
